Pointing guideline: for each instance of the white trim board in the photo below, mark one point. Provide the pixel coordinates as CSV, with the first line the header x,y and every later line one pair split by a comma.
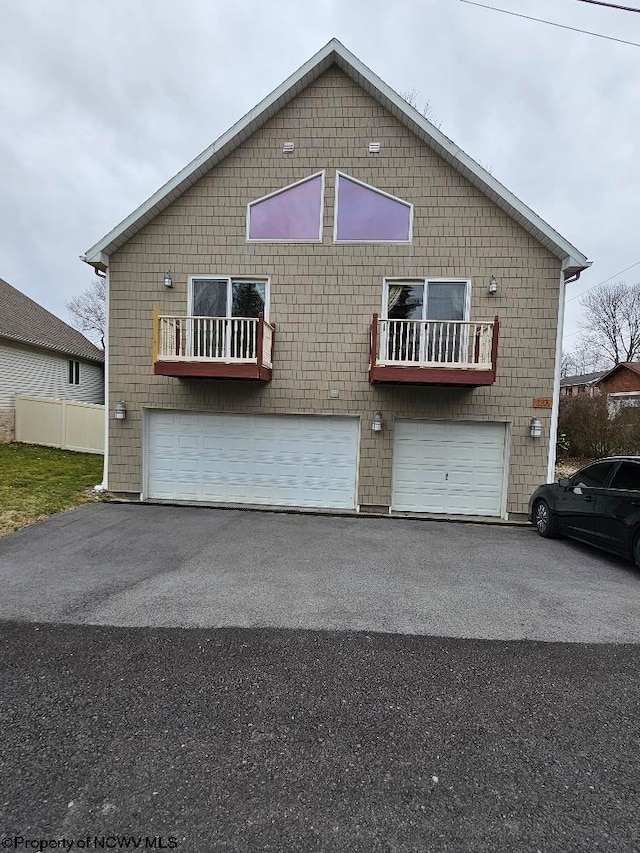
x,y
335,53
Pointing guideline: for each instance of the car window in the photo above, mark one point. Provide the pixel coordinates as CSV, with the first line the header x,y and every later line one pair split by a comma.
x,y
593,476
627,477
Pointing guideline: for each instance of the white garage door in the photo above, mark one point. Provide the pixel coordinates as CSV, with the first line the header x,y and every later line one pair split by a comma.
x,y
448,467
284,460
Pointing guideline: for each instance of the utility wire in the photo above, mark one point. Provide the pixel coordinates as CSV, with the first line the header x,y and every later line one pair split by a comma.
x,y
593,286
611,5
580,295
551,23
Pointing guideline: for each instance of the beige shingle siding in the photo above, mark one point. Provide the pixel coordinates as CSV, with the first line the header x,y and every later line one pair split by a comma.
x,y
41,373
323,296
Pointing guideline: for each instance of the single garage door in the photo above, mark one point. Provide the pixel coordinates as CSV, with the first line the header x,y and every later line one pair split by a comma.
x,y
284,460
448,467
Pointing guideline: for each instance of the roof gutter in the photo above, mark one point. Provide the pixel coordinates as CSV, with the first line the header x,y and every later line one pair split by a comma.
x,y
100,262
572,269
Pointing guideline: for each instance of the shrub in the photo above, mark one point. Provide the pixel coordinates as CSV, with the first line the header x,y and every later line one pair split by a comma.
x,y
586,430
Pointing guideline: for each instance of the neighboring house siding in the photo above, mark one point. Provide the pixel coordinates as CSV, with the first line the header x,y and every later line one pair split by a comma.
x,y
622,380
27,370
323,296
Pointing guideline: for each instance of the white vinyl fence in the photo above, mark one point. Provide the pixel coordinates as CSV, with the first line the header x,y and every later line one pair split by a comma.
x,y
60,423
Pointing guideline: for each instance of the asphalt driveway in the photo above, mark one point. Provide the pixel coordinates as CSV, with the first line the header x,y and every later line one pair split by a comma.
x,y
189,707
161,566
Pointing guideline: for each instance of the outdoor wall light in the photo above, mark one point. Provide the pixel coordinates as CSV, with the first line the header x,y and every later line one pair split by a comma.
x,y
121,411
535,428
493,286
168,281
376,423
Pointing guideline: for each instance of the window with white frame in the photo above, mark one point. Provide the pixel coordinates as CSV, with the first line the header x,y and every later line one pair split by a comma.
x,y
292,214
366,214
424,319
74,372
228,296
224,312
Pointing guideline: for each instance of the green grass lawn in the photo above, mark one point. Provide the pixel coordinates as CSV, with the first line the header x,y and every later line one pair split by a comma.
x,y
38,481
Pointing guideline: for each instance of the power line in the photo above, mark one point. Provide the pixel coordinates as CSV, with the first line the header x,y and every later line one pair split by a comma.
x,y
593,286
611,5
551,23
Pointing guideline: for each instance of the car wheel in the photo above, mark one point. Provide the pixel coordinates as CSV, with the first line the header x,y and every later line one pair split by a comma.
x,y
543,519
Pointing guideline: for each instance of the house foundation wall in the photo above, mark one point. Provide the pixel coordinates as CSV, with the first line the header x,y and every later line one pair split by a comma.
x,y
7,425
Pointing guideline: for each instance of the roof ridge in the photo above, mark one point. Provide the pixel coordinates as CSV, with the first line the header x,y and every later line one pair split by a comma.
x,y
334,52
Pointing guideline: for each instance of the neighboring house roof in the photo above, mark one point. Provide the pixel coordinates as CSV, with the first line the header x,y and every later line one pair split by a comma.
x,y
633,366
582,378
334,52
23,320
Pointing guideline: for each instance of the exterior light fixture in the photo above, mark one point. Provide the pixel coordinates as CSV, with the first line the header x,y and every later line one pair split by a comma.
x,y
493,286
376,423
535,428
121,411
168,281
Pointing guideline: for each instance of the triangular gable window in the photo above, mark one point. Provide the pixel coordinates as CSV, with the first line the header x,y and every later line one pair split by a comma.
x,y
365,214
292,214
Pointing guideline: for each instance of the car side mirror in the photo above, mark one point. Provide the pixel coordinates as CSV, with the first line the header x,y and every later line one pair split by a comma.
x,y
564,482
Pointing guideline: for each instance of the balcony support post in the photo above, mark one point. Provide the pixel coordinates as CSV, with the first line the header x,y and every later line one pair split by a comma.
x,y
260,343
373,343
494,345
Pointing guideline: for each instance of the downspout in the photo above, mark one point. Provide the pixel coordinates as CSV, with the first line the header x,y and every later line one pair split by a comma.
x,y
553,430
102,271
105,470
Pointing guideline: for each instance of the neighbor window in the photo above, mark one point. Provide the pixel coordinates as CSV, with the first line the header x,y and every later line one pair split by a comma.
x,y
291,214
365,214
74,372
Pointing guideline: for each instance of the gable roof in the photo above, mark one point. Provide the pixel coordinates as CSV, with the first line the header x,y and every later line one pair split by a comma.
x,y
23,320
582,378
633,366
335,53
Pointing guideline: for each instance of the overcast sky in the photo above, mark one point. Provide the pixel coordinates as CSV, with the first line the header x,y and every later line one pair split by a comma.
x,y
102,101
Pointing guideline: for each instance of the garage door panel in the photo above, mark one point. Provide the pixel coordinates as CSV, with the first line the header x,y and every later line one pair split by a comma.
x,y
453,467
280,460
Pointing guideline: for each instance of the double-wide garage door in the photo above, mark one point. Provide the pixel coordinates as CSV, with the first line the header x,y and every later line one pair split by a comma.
x,y
448,467
282,460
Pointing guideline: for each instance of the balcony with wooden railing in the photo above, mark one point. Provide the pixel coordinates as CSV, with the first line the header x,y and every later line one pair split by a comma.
x,y
433,352
213,347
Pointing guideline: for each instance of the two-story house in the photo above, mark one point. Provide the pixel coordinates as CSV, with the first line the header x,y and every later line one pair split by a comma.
x,y
334,306
42,356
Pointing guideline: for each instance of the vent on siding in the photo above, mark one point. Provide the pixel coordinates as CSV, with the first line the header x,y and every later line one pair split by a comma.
x,y
374,148
288,147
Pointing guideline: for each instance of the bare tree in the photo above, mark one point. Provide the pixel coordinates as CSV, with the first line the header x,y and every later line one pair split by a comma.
x,y
411,98
611,324
567,365
584,359
88,310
